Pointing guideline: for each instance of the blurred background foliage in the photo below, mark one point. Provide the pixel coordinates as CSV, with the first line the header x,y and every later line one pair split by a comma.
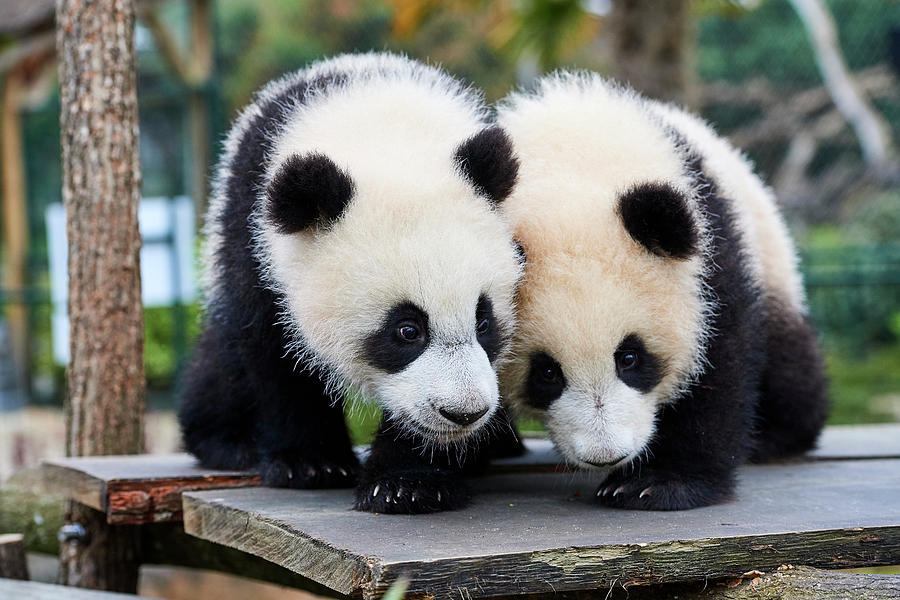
x,y
747,66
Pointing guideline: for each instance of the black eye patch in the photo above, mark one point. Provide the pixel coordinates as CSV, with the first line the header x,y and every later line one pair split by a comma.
x,y
637,367
546,381
487,329
401,339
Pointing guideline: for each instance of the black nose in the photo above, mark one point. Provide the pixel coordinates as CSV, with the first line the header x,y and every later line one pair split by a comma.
x,y
461,417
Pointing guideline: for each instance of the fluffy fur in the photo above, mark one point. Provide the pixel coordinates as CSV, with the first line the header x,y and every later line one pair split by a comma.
x,y
662,326
350,249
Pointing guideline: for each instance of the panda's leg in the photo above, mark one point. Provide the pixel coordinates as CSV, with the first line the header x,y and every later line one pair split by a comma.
x,y
407,475
793,401
216,408
403,474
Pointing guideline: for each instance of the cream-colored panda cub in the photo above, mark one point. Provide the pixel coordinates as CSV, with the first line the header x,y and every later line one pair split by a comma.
x,y
661,317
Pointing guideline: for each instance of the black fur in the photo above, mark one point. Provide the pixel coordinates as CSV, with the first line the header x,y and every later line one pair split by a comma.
x,y
658,217
793,401
404,475
307,190
647,370
703,436
546,381
488,162
491,337
243,404
386,350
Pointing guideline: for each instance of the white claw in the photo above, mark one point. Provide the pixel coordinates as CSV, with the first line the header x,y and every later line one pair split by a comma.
x,y
376,490
328,470
619,490
599,492
439,496
290,473
646,492
399,493
413,497
343,471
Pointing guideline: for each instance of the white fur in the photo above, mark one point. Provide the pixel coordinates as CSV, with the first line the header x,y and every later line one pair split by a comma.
x,y
414,231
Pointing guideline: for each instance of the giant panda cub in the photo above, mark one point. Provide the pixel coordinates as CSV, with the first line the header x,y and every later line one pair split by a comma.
x,y
355,246
663,334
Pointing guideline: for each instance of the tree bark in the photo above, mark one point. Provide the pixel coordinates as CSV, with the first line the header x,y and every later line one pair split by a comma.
x,y
101,192
12,557
652,47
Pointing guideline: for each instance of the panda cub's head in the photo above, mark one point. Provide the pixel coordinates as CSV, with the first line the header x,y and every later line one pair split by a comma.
x,y
612,308
379,230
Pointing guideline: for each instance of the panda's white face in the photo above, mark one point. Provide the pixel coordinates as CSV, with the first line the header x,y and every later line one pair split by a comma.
x,y
410,302
596,356
398,278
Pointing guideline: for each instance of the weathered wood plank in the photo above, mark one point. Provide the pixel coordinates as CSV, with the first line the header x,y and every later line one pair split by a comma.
x,y
147,489
540,532
30,590
786,582
135,489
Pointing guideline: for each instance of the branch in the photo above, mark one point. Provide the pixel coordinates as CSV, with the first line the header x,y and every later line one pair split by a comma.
x,y
870,129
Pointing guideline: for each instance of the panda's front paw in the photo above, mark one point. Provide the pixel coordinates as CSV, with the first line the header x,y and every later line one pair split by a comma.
x,y
308,472
662,490
412,492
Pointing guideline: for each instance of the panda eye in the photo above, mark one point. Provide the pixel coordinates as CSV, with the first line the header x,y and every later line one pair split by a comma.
x,y
551,374
625,361
408,332
483,326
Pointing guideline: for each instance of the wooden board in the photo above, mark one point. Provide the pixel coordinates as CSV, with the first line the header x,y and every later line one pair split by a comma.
x,y
30,590
135,489
147,488
540,532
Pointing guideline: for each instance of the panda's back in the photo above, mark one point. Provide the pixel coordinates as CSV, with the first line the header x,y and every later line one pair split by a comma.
x,y
769,251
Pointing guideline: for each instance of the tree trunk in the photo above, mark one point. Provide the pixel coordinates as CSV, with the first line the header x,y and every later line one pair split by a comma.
x,y
15,225
101,192
12,556
652,47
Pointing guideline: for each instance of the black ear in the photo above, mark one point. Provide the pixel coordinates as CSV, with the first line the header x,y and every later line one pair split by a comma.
x,y
307,190
487,160
657,216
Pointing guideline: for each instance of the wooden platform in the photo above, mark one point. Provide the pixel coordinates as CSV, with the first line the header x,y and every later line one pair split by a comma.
x,y
148,488
541,533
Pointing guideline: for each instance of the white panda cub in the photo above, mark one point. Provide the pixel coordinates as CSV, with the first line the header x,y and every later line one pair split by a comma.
x,y
355,244
663,334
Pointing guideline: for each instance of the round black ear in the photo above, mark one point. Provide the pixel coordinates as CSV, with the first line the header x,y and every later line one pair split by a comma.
x,y
658,217
488,162
307,190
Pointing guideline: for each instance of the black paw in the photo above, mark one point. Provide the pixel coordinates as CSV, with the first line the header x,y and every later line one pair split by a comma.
x,y
412,492
662,490
308,472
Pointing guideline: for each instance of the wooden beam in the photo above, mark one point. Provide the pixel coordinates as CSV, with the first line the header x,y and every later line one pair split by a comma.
x,y
12,556
101,189
542,533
